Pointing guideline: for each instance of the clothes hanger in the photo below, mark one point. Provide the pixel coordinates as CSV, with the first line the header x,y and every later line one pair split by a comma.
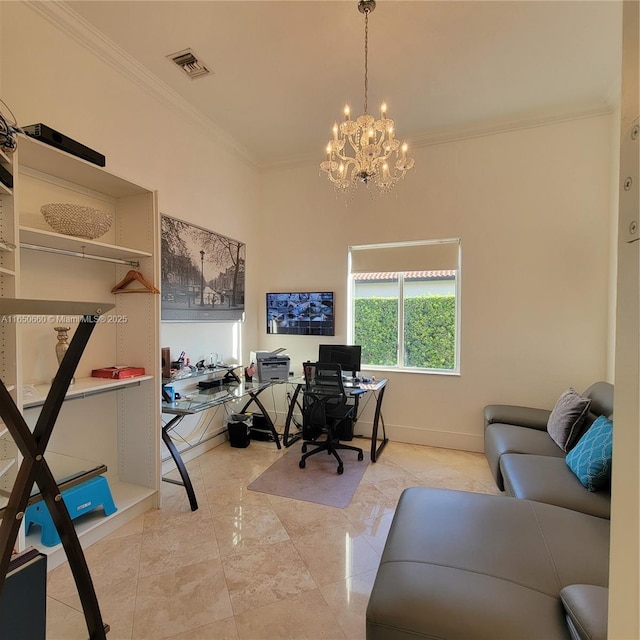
x,y
134,276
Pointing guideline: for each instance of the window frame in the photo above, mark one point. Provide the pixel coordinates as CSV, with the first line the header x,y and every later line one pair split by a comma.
x,y
400,367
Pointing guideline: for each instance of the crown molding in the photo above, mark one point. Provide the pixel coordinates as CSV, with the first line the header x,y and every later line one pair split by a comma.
x,y
478,130
69,22
505,125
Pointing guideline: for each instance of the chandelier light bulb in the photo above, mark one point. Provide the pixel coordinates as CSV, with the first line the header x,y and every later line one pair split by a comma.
x,y
365,149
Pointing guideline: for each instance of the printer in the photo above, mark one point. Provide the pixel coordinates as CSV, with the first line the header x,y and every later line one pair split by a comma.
x,y
271,365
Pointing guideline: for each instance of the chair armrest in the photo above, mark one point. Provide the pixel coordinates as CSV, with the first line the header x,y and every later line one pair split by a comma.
x,y
522,416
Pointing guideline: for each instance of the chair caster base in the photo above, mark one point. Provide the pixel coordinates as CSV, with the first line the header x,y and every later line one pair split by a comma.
x,y
302,464
340,470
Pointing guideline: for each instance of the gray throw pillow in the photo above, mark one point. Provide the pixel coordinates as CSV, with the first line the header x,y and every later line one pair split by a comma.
x,y
567,418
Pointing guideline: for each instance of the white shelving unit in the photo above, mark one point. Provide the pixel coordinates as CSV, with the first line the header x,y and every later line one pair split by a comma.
x,y
115,423
9,455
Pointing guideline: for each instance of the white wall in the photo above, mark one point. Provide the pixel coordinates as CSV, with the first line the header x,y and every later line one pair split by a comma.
x,y
533,209
48,77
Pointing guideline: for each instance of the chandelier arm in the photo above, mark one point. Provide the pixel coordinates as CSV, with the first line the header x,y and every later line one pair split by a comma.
x,y
348,164
355,147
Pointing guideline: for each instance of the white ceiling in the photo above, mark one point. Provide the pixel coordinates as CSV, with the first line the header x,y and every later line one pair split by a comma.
x,y
283,70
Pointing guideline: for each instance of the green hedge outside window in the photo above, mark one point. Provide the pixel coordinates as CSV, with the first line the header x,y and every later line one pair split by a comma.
x,y
429,334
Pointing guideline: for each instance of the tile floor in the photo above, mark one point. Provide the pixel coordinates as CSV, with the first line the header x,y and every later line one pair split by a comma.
x,y
250,566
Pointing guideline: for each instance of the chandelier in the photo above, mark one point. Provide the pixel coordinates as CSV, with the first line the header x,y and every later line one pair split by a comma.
x,y
366,150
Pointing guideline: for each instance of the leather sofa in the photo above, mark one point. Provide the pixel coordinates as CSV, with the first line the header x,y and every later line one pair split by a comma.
x,y
470,566
529,565
527,463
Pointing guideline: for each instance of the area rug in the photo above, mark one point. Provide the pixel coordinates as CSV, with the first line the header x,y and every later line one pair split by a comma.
x,y
318,482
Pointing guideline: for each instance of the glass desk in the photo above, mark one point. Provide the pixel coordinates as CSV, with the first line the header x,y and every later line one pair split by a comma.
x,y
356,392
197,400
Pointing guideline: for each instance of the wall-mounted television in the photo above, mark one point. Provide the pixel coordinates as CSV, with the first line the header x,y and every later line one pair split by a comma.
x,y
302,314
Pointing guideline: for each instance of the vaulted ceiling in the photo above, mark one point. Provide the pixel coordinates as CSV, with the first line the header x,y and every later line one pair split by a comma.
x,y
282,71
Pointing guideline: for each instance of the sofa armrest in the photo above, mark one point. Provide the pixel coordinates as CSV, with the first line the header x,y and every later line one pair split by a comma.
x,y
586,609
522,416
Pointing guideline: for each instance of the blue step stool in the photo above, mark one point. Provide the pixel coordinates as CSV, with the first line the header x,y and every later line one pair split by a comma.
x,y
81,499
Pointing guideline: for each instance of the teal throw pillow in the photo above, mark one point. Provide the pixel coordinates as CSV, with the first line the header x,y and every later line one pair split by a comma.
x,y
590,459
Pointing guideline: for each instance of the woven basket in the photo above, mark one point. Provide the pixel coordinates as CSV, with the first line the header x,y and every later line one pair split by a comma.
x,y
76,220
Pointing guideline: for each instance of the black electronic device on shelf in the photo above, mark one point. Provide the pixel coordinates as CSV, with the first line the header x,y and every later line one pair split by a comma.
x,y
6,177
58,140
230,377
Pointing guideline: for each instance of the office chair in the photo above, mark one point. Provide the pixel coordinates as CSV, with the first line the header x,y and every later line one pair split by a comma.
x,y
324,409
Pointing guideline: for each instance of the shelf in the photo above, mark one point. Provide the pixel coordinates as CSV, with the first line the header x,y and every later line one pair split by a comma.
x,y
52,240
6,464
68,471
5,190
24,306
60,164
131,501
82,388
5,158
7,272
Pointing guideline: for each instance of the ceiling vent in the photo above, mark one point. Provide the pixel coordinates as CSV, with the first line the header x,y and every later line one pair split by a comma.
x,y
189,63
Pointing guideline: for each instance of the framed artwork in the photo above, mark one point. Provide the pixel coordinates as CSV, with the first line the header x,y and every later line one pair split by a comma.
x,y
202,274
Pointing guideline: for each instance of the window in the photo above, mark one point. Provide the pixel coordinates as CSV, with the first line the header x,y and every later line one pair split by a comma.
x,y
405,304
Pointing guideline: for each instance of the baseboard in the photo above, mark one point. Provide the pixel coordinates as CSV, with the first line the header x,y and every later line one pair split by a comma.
x,y
429,437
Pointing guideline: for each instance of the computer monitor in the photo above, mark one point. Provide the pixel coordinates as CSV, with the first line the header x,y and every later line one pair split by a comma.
x,y
347,356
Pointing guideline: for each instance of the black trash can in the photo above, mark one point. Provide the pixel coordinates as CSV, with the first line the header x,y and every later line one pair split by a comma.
x,y
239,428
